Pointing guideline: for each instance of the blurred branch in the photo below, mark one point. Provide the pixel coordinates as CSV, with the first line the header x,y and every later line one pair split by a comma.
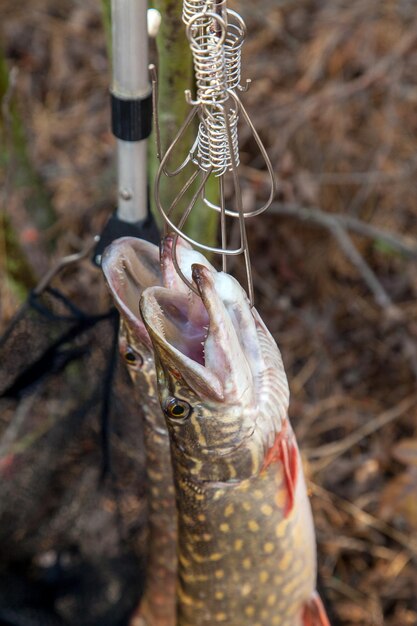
x,y
303,105
338,226
331,451
380,294
9,441
340,90
403,539
331,221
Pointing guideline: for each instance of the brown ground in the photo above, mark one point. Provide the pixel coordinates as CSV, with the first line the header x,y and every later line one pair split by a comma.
x,y
335,100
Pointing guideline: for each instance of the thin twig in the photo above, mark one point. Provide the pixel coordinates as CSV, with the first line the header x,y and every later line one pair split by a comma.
x,y
406,541
338,225
331,220
381,296
337,448
339,232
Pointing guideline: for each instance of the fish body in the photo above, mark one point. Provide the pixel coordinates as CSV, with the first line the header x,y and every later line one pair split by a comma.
x,y
130,265
246,544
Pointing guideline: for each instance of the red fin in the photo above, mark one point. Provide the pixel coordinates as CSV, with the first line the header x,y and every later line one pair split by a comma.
x,y
314,613
284,449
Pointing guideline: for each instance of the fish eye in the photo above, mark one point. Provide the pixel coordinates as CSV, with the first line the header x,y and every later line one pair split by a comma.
x,y
177,409
132,357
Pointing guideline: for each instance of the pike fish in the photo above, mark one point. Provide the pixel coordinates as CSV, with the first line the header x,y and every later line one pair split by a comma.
x,y
130,265
246,543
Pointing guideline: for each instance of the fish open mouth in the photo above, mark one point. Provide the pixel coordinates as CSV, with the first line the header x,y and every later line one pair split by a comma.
x,y
210,338
196,334
181,321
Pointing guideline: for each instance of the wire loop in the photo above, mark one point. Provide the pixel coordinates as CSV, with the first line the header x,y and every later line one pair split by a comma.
x,y
216,35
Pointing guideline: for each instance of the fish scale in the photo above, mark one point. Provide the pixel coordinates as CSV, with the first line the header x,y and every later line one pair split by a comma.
x,y
157,606
246,544
129,265
239,538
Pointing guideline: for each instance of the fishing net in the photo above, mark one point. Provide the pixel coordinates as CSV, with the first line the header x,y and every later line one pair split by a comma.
x,y
71,469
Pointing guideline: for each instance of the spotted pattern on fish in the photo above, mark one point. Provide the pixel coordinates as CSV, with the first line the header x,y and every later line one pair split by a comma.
x,y
129,265
247,550
231,538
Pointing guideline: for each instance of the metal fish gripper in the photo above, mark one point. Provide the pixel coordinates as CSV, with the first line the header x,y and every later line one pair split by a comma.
x,y
216,35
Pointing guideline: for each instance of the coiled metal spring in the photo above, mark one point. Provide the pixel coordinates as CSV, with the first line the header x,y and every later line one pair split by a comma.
x,y
235,36
209,65
194,7
218,141
216,35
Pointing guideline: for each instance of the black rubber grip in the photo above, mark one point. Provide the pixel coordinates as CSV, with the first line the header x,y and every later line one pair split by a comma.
x,y
131,120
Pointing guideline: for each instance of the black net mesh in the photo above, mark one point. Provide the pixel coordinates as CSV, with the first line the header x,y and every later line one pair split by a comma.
x,y
71,470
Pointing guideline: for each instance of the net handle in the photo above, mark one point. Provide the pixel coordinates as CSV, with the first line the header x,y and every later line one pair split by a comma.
x,y
131,105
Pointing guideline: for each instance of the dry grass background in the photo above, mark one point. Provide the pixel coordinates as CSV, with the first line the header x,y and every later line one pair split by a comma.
x,y
335,100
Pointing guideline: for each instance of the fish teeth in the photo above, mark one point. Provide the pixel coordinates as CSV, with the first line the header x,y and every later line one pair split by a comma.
x,y
206,329
159,321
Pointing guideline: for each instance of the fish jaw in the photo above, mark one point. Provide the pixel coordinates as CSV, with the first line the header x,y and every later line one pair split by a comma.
x,y
197,336
225,349
131,265
178,343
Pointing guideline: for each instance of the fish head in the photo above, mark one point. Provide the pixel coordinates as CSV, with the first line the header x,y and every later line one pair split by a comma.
x,y
130,265
213,361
